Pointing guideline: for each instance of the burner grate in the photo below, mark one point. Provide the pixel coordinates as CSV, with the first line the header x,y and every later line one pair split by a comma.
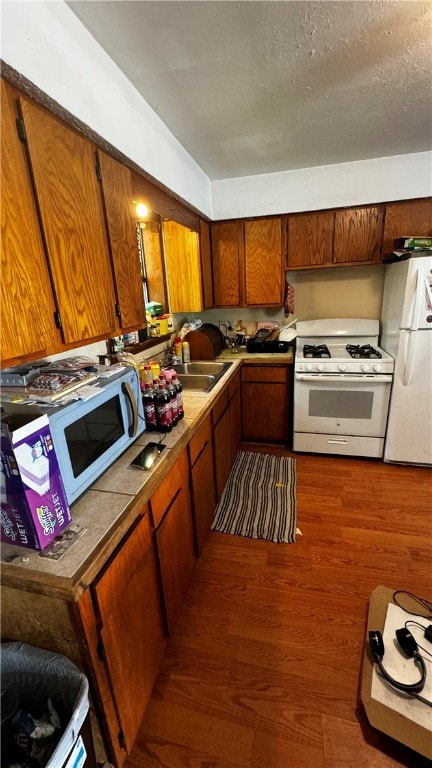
x,y
312,350
366,351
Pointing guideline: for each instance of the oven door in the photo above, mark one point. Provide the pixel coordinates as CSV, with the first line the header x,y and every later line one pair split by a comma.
x,y
341,404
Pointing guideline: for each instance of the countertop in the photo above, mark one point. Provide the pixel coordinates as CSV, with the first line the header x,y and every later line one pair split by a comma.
x,y
103,515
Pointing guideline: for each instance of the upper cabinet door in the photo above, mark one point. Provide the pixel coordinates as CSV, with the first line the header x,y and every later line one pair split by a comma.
x,y
310,239
27,303
263,262
206,265
228,253
118,203
183,264
153,261
70,204
405,219
358,235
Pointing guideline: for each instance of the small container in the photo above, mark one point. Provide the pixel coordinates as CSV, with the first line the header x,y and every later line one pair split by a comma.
x,y
186,352
178,349
163,325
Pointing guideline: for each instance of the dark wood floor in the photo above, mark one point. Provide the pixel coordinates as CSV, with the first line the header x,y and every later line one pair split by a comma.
x,y
264,668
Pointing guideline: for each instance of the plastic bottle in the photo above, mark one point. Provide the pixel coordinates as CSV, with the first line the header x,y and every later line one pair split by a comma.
x,y
148,376
166,380
178,347
179,389
186,352
149,408
163,408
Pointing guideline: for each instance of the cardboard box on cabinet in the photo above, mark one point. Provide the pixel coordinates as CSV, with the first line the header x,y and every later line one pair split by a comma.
x,y
34,508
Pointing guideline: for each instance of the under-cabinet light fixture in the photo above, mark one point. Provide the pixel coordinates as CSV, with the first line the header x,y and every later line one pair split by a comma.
x,y
141,210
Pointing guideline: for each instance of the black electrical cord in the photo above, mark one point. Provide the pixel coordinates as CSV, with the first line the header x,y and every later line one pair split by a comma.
x,y
422,601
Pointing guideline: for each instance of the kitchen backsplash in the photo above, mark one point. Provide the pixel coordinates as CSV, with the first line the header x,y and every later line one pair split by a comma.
x,y
320,293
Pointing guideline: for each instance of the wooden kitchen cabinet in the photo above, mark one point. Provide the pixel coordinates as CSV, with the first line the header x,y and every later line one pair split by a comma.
x,y
183,266
339,237
120,221
358,235
68,196
248,262
172,520
227,240
226,419
265,399
125,620
27,302
206,265
234,399
409,217
222,441
310,239
263,262
203,488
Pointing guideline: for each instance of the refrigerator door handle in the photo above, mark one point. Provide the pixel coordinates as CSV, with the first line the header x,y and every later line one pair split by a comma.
x,y
428,293
407,358
417,302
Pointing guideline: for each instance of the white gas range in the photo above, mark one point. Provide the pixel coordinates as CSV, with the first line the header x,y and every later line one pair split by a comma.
x,y
342,383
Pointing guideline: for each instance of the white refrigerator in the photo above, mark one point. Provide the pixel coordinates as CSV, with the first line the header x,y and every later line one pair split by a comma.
x,y
406,334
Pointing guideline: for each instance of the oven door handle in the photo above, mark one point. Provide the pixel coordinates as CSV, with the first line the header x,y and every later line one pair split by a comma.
x,y
342,378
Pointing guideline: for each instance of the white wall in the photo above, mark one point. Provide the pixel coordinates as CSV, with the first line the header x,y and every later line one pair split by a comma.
x,y
46,43
328,186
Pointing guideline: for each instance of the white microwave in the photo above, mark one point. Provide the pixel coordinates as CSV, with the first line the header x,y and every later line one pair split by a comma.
x,y
89,435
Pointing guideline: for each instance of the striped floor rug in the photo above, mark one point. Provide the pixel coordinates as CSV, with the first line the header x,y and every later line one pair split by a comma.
x,y
259,498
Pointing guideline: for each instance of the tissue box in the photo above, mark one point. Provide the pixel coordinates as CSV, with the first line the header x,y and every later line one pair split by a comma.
x,y
34,508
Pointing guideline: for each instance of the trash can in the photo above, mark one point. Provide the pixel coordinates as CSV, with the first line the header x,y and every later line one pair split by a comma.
x,y
31,676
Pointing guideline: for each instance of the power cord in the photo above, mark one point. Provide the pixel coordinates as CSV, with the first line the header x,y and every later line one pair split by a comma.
x,y
422,601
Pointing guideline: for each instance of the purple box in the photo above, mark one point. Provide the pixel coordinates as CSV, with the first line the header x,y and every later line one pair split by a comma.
x,y
34,507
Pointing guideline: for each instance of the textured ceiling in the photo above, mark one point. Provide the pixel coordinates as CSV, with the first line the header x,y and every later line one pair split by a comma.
x,y
257,87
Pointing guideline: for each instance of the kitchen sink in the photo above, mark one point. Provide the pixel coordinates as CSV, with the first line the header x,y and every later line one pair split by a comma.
x,y
201,375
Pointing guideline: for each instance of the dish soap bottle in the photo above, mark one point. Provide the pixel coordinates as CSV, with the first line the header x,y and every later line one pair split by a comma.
x,y
186,352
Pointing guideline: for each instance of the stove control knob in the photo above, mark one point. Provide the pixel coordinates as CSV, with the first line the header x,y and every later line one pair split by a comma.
x,y
320,367
377,367
342,367
309,366
366,367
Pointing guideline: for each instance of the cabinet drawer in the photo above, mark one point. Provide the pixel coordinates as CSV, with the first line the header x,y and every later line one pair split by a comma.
x,y
220,406
163,496
266,373
199,440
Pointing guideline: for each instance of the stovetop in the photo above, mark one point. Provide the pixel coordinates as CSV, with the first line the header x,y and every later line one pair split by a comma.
x,y
338,346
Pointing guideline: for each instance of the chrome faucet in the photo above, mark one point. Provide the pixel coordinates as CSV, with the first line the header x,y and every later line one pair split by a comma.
x,y
221,324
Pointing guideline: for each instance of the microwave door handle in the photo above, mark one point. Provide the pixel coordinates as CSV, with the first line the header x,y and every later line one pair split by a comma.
x,y
128,391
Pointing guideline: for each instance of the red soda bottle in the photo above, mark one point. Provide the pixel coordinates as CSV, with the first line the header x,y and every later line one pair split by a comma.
x,y
173,395
179,388
163,408
149,404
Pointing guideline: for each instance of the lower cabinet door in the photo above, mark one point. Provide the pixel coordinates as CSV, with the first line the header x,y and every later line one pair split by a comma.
x,y
235,424
175,548
203,495
222,451
265,412
131,632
